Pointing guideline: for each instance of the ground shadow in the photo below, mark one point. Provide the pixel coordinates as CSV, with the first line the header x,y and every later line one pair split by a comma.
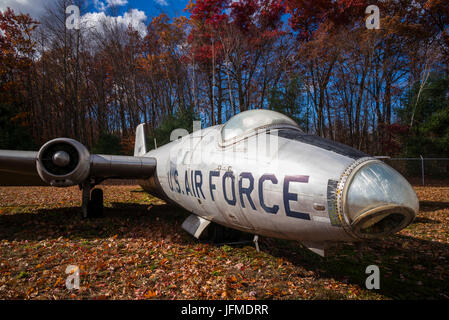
x,y
425,220
427,206
125,220
410,268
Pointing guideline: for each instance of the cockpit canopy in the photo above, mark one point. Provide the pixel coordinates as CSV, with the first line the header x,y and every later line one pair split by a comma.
x,y
248,122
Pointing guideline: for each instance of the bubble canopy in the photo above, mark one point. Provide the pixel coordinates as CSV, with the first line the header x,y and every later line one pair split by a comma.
x,y
250,121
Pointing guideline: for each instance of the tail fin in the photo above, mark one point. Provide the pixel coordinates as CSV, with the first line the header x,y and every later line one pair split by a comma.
x,y
140,147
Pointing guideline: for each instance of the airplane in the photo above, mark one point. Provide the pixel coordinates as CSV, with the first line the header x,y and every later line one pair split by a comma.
x,y
258,173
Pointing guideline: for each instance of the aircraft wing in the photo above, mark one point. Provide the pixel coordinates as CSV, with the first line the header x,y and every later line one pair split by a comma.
x,y
65,162
18,168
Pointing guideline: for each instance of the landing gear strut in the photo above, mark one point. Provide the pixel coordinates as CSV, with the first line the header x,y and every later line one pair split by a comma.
x,y
92,202
256,242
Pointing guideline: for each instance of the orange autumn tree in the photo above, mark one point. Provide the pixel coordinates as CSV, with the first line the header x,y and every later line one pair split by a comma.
x,y
162,68
16,51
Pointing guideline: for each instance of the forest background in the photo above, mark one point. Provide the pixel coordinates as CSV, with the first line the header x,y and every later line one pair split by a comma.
x,y
384,91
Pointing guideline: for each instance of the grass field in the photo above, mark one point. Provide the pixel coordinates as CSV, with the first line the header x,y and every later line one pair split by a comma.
x,y
139,251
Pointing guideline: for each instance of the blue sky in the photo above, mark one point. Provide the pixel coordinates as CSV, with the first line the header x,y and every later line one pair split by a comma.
x,y
150,7
135,12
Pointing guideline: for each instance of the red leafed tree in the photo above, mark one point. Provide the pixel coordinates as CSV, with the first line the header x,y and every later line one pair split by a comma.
x,y
307,15
228,41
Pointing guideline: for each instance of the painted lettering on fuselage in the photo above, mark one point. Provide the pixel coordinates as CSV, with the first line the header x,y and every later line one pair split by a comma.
x,y
235,193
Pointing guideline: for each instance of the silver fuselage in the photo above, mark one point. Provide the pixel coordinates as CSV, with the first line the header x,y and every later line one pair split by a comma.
x,y
292,191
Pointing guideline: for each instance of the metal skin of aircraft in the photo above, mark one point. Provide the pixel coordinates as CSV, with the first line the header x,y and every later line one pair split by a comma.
x,y
257,173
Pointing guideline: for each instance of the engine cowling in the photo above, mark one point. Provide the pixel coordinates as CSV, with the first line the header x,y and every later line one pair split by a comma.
x,y
63,162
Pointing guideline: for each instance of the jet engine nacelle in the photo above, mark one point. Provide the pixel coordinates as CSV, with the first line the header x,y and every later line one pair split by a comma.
x,y
63,162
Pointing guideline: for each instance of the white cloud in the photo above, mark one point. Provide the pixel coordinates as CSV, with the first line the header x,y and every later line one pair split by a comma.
x,y
161,2
136,18
99,5
102,5
33,7
117,2
37,7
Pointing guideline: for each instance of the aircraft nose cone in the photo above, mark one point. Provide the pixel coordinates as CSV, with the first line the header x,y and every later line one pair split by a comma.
x,y
61,158
379,201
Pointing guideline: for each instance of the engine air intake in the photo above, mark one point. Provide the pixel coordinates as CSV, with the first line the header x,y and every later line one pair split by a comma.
x,y
63,162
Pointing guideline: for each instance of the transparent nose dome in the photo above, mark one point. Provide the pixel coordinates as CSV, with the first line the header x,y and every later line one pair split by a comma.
x,y
379,201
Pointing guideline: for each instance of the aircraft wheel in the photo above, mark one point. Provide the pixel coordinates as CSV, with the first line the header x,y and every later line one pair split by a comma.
x,y
95,209
218,233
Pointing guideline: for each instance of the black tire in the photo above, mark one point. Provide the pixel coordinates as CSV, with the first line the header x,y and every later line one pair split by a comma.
x,y
218,233
95,208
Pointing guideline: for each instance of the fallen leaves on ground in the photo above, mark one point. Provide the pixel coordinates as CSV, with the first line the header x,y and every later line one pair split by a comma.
x,y
139,251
